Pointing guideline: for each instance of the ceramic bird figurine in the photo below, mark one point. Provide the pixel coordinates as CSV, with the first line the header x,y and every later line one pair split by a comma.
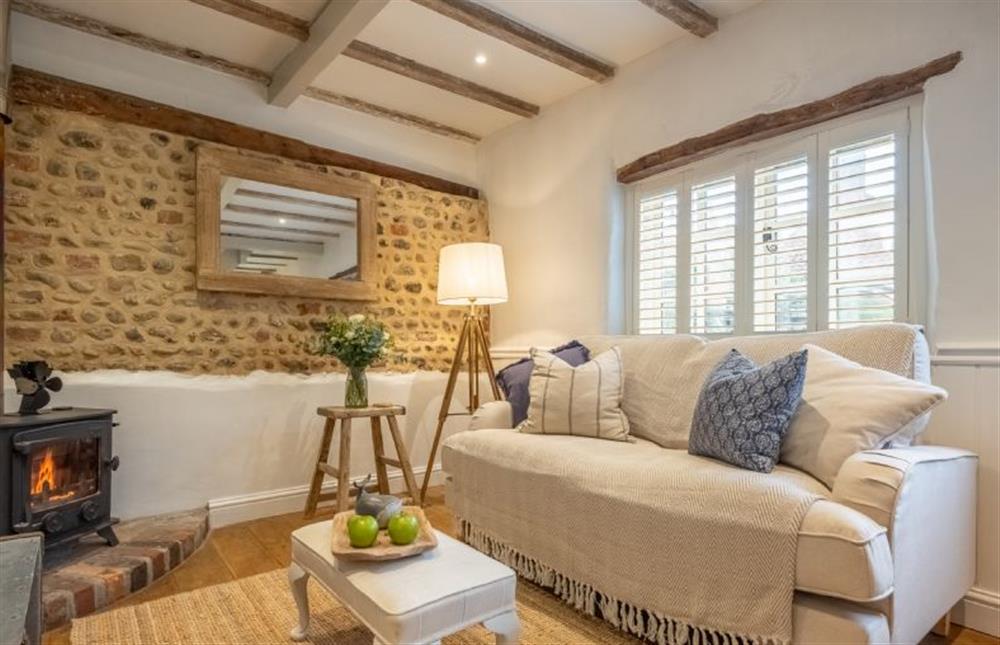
x,y
381,507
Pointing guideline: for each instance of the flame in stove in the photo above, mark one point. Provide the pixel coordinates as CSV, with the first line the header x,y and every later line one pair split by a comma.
x,y
46,474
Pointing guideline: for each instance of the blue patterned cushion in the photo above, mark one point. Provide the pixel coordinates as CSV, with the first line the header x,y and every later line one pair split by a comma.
x,y
744,410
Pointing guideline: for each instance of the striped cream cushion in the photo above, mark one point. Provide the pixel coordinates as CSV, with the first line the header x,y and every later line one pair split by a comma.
x,y
585,400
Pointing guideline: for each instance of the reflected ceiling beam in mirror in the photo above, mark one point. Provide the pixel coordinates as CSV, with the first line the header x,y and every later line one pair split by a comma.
x,y
686,15
393,115
291,199
253,210
410,68
104,30
244,236
329,35
491,23
261,15
283,229
188,55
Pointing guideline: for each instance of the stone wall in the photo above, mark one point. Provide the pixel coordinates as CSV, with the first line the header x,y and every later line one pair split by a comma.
x,y
100,270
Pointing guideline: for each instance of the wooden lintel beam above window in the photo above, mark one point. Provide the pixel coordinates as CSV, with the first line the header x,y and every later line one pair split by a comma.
x,y
30,86
877,91
522,36
261,15
410,68
685,14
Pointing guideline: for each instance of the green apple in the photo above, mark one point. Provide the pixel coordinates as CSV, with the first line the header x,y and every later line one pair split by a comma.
x,y
363,531
403,528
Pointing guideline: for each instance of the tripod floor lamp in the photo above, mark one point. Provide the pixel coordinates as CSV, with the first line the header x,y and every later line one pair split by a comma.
x,y
469,275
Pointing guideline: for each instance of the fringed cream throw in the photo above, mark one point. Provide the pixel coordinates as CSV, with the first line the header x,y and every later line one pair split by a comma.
x,y
676,549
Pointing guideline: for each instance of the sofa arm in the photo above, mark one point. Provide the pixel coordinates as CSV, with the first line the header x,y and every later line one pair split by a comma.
x,y
492,414
925,496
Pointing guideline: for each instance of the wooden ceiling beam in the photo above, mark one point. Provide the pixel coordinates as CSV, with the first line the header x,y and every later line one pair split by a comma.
x,y
499,26
685,14
30,86
104,30
332,31
261,15
291,199
269,238
118,34
393,115
410,68
869,94
283,229
271,212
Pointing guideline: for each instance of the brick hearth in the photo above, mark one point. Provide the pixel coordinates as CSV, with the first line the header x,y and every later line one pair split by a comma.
x,y
80,579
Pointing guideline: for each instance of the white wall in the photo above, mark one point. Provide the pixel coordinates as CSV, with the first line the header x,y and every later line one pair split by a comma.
x,y
89,59
246,445
556,209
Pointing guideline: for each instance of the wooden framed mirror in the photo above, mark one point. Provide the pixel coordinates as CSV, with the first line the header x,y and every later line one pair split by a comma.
x,y
267,227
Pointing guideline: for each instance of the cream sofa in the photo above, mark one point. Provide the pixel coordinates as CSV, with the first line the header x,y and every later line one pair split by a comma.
x,y
880,558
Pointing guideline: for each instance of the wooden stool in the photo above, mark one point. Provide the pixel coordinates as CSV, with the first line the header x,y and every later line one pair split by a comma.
x,y
342,471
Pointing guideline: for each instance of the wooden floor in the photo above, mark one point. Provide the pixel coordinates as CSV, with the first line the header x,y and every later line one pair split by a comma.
x,y
246,549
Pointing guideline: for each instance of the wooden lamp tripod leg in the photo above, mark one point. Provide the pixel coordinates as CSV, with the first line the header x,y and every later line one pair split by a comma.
x,y
449,391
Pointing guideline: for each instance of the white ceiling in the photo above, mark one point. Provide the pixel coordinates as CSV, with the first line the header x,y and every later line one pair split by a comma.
x,y
616,31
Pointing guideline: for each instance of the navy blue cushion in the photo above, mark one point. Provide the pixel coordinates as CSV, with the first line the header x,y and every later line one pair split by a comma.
x,y
513,379
744,410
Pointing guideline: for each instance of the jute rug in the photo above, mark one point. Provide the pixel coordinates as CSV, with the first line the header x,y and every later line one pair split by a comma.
x,y
260,609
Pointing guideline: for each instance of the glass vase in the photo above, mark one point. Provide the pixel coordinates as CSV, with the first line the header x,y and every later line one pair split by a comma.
x,y
356,394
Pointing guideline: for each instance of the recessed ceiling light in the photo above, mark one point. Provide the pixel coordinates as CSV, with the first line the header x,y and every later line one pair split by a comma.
x,y
281,220
480,59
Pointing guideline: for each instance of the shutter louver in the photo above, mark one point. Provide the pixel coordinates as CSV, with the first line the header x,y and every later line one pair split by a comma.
x,y
780,247
713,256
658,263
861,230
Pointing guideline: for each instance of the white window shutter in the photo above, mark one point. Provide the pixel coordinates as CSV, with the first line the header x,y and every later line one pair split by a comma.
x,y
781,246
657,269
713,256
861,230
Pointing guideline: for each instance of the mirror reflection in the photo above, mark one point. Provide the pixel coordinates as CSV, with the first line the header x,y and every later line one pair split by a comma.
x,y
271,229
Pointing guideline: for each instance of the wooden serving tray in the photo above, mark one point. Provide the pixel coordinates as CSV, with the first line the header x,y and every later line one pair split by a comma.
x,y
383,549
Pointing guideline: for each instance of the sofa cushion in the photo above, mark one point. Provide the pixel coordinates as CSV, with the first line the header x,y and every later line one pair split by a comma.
x,y
841,552
664,374
847,408
744,409
514,378
585,400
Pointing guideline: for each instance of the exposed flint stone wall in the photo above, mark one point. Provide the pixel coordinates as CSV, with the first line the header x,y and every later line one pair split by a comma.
x,y
100,231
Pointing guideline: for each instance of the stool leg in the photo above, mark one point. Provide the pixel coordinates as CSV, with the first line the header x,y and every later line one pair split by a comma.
x,y
298,579
344,468
404,459
506,627
379,448
317,479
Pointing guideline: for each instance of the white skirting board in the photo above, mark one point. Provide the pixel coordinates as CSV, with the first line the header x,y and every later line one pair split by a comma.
x,y
243,508
979,610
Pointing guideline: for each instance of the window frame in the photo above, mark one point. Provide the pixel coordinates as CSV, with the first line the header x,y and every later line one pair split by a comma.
x,y
903,118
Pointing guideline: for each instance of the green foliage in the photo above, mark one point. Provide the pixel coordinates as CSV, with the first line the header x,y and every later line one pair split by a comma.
x,y
357,341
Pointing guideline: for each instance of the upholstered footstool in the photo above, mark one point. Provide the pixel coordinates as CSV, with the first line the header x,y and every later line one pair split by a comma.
x,y
414,600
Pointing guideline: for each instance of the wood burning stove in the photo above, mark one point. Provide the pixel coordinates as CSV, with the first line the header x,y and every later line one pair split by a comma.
x,y
55,474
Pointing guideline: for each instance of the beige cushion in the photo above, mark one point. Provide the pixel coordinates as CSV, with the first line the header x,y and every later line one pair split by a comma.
x,y
664,374
847,408
841,552
584,400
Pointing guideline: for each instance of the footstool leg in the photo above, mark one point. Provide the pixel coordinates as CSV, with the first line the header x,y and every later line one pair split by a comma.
x,y
506,627
298,579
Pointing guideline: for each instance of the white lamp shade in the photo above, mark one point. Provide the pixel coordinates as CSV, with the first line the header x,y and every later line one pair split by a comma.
x,y
471,273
